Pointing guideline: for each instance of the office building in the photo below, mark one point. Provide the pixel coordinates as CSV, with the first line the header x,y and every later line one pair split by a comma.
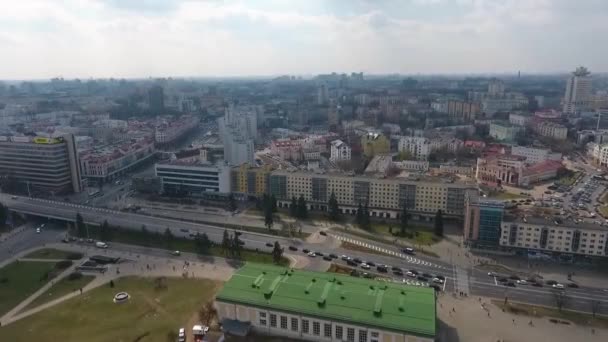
x,y
416,147
535,155
552,130
482,221
535,234
193,177
315,306
463,110
156,99
519,119
44,164
339,151
238,130
375,143
504,131
384,197
250,182
578,91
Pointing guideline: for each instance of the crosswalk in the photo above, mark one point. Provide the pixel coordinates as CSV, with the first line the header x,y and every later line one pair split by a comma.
x,y
462,280
408,258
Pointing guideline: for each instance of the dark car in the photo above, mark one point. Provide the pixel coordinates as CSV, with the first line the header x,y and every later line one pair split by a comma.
x,y
306,250
572,285
395,268
414,271
439,276
398,272
427,275
327,258
551,282
502,280
371,263
269,244
323,233
293,248
421,278
514,277
351,263
382,268
319,254
509,284
537,284
357,260
333,256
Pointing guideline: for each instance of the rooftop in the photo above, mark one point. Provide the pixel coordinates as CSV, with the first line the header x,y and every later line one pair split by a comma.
x,y
367,302
554,221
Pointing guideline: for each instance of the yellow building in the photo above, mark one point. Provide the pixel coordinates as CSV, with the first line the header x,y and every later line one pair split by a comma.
x,y
374,143
251,181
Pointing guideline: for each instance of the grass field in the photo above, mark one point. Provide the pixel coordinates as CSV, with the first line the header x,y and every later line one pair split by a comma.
x,y
51,253
149,316
133,237
19,280
541,311
63,287
505,195
421,235
386,240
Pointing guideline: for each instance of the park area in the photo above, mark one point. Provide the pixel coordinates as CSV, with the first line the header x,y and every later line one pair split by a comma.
x,y
156,309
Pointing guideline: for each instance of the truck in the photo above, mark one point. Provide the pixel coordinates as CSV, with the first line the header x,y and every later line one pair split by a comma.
x,y
199,332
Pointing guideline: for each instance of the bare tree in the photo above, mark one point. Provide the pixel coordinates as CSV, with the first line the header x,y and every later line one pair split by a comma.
x,y
207,313
561,298
595,307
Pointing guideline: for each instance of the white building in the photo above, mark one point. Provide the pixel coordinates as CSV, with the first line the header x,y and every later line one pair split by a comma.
x,y
418,147
519,119
578,91
238,130
504,132
535,155
339,151
599,154
496,87
552,130
193,177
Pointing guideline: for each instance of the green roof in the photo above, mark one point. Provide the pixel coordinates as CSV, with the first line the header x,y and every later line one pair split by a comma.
x,y
372,303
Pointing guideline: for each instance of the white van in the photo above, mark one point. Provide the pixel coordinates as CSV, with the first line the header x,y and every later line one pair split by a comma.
x,y
100,244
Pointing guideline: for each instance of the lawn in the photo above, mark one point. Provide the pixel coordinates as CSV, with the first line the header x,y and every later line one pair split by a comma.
x,y
51,253
19,280
505,195
385,240
568,180
542,311
149,316
60,289
133,237
603,209
422,236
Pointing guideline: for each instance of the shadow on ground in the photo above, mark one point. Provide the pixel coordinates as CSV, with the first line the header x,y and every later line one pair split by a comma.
x,y
446,333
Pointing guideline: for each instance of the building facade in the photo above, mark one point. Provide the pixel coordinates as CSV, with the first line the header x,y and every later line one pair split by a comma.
x,y
552,130
463,110
49,165
316,306
535,155
578,91
482,221
108,162
193,178
375,143
339,151
504,131
247,181
417,147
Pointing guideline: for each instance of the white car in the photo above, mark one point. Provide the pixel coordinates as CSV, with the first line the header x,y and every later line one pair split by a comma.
x,y
558,286
38,230
437,281
410,274
365,266
181,335
100,244
492,274
522,282
312,254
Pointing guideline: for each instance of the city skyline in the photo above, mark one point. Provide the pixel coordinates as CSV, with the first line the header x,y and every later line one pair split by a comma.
x,y
188,38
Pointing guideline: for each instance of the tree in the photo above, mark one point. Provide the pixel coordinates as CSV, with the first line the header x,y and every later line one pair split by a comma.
x,y
268,219
3,215
273,203
236,244
225,242
202,243
561,298
365,220
439,223
360,213
302,210
333,208
80,226
231,203
404,217
293,207
168,237
207,313
104,231
277,252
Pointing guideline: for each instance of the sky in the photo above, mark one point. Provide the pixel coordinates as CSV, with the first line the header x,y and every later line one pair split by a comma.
x,y
159,38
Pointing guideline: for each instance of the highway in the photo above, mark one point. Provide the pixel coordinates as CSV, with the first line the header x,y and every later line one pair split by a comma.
x,y
478,282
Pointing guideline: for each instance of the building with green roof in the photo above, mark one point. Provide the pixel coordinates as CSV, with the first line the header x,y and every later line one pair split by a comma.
x,y
326,306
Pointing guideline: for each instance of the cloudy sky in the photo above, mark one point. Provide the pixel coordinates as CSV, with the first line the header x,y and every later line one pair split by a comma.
x,y
140,38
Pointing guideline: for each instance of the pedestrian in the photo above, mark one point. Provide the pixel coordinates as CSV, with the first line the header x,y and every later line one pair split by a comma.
x,y
81,290
513,320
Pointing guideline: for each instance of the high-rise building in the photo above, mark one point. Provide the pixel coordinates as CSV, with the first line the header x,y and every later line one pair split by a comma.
x,y
322,94
482,220
42,164
496,87
238,129
578,91
156,98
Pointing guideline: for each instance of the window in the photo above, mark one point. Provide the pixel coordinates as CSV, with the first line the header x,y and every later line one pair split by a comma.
x,y
339,331
362,335
294,324
316,328
262,318
375,336
350,334
273,320
305,326
283,322
327,330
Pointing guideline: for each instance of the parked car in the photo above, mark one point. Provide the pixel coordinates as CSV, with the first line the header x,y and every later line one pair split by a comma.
x,y
333,256
409,250
398,273
323,233
181,335
312,254
327,258
269,244
365,266
382,268
550,282
293,248
573,285
176,253
522,282
410,274
371,263
558,286
357,260
437,281
305,250
344,257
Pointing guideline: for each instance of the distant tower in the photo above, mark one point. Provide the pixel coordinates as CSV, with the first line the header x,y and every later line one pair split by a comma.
x,y
156,99
578,91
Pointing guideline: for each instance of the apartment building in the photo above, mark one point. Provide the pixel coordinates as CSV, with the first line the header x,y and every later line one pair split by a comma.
x,y
43,164
564,237
552,130
193,177
578,91
463,110
504,131
384,197
535,155
247,181
315,306
519,119
417,147
339,151
599,153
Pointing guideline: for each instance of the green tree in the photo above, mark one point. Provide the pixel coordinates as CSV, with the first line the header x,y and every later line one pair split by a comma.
x,y
236,244
226,242
365,220
293,207
439,223
333,208
268,219
104,231
360,213
168,237
273,203
231,203
277,252
302,210
403,223
202,243
3,215
80,226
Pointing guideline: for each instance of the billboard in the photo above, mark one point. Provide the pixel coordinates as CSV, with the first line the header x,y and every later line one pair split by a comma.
x,y
43,140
